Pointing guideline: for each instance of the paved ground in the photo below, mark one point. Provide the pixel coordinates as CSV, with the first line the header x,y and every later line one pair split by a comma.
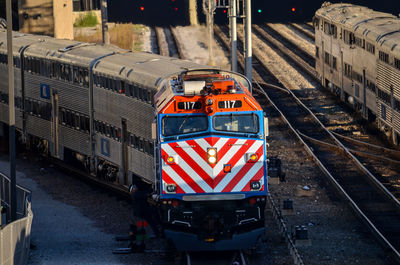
x,y
61,233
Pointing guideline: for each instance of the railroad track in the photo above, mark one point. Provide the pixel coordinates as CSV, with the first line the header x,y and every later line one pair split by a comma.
x,y
371,201
306,30
167,43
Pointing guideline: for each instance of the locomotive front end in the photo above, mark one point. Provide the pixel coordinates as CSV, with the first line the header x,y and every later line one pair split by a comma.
x,y
211,167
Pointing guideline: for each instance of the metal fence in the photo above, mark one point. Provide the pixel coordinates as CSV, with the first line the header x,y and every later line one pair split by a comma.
x,y
14,236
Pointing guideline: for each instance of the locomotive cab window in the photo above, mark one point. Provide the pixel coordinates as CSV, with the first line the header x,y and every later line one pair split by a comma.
x,y
176,125
246,123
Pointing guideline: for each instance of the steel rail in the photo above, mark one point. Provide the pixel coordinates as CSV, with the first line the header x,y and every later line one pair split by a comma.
x,y
177,44
302,30
296,59
161,43
359,153
338,187
297,260
369,145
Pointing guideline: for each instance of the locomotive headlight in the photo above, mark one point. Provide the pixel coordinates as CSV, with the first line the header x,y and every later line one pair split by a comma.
x,y
212,152
171,188
252,157
212,155
212,160
255,185
170,160
209,101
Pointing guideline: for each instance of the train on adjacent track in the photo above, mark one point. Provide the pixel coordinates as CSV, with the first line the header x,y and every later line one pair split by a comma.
x,y
358,58
193,132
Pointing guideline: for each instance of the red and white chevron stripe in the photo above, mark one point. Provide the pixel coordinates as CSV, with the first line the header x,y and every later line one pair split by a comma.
x,y
192,174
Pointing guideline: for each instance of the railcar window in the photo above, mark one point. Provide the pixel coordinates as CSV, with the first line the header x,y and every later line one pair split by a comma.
x,y
85,78
397,63
348,37
359,42
383,56
3,58
333,31
176,125
357,77
397,105
17,62
122,87
327,58
129,91
102,82
371,86
95,79
326,27
141,144
246,123
151,151
76,75
348,70
136,141
316,22
3,97
18,102
370,48
108,130
383,111
140,93
334,65
385,97
136,92
357,90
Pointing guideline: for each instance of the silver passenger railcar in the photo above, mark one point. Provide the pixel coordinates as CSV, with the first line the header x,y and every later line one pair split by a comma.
x,y
358,58
87,104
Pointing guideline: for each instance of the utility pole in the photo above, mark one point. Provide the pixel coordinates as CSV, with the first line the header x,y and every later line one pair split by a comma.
x,y
104,27
232,22
248,48
193,13
11,110
209,8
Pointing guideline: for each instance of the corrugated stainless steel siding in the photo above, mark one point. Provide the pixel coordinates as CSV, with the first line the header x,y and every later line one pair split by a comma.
x,y
38,127
388,76
70,96
111,107
141,164
396,121
74,139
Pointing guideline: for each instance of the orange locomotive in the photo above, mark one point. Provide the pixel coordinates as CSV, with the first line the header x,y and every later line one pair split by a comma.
x,y
211,173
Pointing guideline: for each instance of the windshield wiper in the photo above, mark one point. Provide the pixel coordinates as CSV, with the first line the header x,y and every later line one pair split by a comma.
x,y
183,123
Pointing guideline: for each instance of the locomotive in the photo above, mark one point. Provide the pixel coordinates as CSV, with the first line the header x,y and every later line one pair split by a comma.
x,y
358,59
94,107
210,168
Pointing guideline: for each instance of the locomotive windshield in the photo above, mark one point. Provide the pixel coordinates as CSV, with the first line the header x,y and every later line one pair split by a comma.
x,y
175,125
245,123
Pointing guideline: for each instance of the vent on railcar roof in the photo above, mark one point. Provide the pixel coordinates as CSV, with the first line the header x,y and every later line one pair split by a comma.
x,y
69,47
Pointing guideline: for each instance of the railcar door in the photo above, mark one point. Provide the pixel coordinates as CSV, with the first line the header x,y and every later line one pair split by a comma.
x,y
54,125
